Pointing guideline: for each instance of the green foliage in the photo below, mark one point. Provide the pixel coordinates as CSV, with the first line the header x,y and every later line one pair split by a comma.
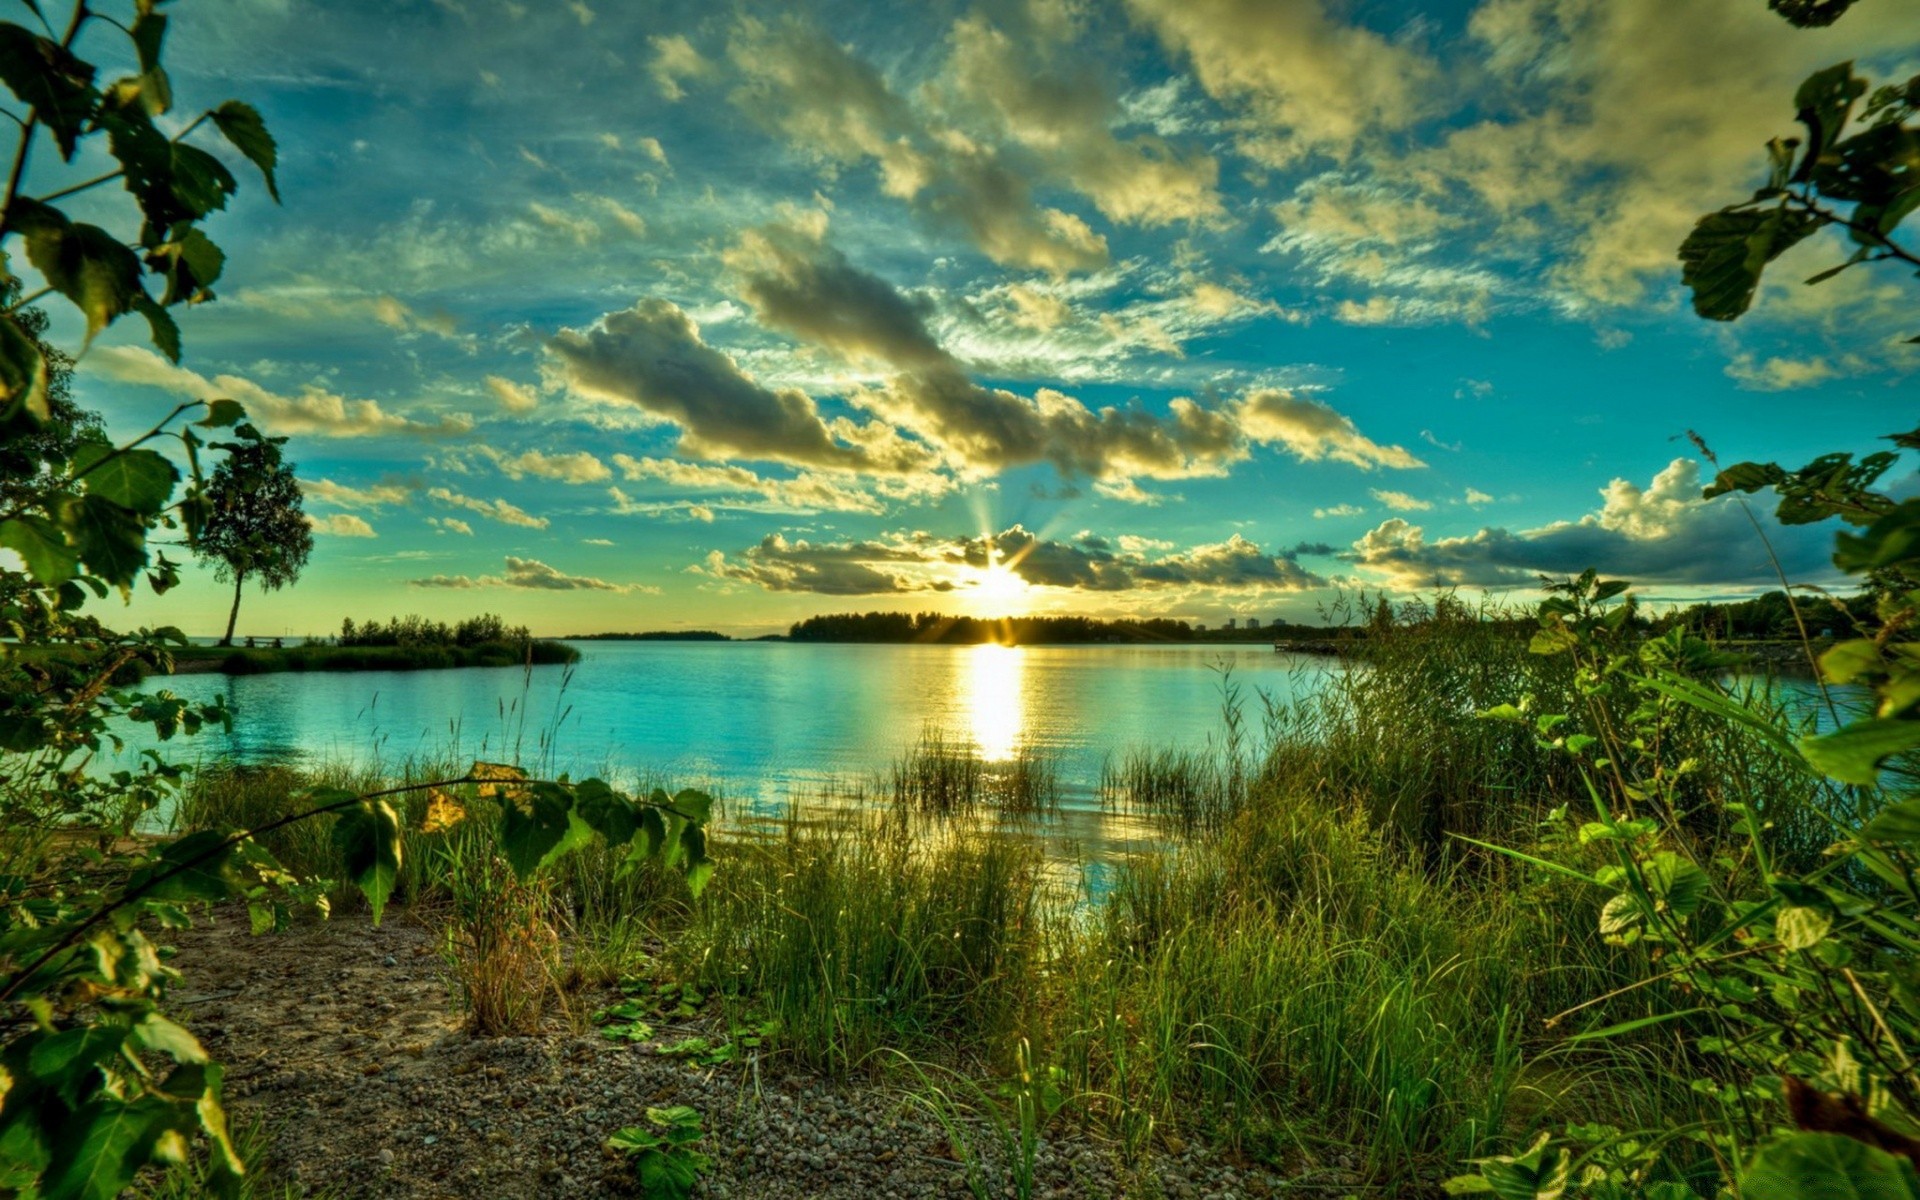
x,y
662,1152
255,525
1868,160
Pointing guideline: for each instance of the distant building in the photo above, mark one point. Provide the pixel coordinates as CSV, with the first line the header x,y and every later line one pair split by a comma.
x,y
1233,623
1253,622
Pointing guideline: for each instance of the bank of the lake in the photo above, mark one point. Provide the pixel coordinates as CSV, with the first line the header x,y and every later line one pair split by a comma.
x,y
320,656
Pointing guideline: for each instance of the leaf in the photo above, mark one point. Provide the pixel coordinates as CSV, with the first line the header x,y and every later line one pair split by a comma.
x,y
1825,100
1801,928
694,806
443,812
606,812
1828,1165
1854,752
367,837
201,183
140,480
57,84
99,1148
23,375
1722,258
221,413
493,775
1895,825
84,263
1612,1031
1892,539
241,124
41,545
533,824
1677,882
111,541
160,325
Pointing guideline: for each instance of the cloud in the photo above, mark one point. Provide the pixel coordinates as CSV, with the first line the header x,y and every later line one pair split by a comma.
x,y
1401,501
1065,114
674,61
805,492
341,525
377,495
514,397
837,108
450,525
577,467
580,229
1783,374
799,284
1314,431
498,510
314,411
906,563
651,357
531,574
1338,510
1308,84
1661,534
1476,497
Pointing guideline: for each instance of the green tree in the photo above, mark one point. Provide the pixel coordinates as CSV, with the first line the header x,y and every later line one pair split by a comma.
x,y
255,526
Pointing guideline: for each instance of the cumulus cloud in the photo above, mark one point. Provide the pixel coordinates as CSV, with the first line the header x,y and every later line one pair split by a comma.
x,y
1401,501
837,107
1338,510
314,411
341,525
531,574
651,357
580,466
919,562
799,284
450,525
1663,533
498,510
514,397
1309,84
805,492
375,496
674,61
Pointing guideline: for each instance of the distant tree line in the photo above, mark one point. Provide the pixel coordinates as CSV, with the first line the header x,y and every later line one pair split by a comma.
x,y
940,628
486,629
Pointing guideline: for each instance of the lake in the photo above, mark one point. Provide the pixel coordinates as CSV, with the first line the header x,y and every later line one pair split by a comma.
x,y
761,723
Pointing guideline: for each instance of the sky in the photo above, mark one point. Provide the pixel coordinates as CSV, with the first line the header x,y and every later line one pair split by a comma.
x,y
694,315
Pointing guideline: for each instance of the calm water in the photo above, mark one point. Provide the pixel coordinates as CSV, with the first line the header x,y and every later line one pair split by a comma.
x,y
760,722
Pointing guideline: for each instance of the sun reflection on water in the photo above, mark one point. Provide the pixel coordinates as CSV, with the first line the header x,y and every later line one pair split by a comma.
x,y
995,683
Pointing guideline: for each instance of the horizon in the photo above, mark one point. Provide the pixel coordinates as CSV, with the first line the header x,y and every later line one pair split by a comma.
x,y
665,316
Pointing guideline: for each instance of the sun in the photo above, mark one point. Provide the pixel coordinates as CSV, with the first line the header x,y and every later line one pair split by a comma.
x,y
997,584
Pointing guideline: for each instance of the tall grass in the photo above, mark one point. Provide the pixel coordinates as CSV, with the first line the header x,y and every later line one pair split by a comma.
x,y
1315,963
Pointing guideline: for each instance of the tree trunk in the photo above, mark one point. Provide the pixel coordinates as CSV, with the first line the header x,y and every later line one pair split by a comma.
x,y
233,616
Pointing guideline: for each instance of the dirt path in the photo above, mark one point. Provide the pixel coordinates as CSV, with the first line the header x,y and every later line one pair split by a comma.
x,y
342,1039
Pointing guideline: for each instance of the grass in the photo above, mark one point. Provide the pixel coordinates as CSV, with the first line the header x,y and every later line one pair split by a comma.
x,y
1312,967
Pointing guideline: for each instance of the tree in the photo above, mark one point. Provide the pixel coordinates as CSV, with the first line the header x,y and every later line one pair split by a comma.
x,y
255,525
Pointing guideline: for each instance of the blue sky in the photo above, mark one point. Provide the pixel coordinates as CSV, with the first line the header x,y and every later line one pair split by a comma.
x,y
646,315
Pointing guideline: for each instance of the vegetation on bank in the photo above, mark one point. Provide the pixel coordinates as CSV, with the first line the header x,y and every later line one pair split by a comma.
x,y
261,660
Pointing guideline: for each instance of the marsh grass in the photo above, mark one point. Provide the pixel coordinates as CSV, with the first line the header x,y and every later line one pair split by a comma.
x,y
1312,965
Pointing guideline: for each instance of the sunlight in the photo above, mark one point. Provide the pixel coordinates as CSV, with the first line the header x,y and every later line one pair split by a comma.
x,y
994,699
999,587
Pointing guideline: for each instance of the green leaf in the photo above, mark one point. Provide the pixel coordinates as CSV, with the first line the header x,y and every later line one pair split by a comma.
x,y
1895,825
1800,928
694,806
241,124
57,84
1744,477
211,881
84,263
1612,1031
221,413
23,376
1722,258
41,545
1892,540
201,183
1825,101
1830,1166
1676,881
367,837
99,1148
606,812
533,822
1853,753
140,480
111,540
160,324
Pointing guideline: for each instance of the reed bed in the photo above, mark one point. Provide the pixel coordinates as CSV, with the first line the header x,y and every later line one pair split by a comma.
x,y
1312,965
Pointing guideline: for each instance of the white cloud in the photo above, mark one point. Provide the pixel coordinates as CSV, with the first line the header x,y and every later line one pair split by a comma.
x,y
341,525
498,510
